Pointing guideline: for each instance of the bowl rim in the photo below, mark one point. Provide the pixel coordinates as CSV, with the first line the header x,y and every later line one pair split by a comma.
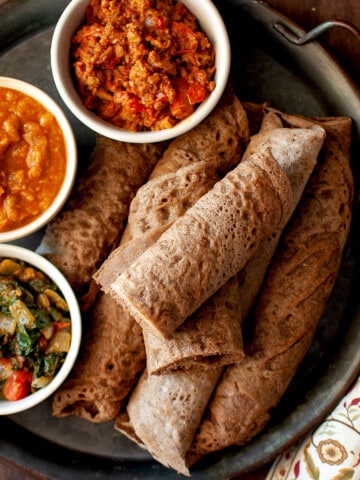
x,y
13,251
69,21
49,104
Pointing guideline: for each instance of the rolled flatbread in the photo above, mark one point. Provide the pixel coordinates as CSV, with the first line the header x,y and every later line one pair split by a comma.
x,y
183,175
211,337
80,238
165,411
209,244
141,422
155,207
291,302
112,354
111,358
188,341
112,332
273,136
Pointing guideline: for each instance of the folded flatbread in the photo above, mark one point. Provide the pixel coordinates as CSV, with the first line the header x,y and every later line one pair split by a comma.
x,y
209,244
211,337
111,358
292,300
155,207
183,175
202,337
273,136
141,421
165,413
80,238
200,157
112,332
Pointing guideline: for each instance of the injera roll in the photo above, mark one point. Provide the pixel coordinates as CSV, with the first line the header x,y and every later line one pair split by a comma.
x,y
173,187
79,239
165,411
291,302
217,144
179,382
222,343
209,244
211,337
164,199
272,136
199,344
110,359
170,196
182,175
79,396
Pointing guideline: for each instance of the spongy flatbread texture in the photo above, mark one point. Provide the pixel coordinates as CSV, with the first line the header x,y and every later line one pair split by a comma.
x,y
124,255
154,207
281,143
291,302
167,355
211,334
280,140
180,178
79,239
111,358
206,246
164,411
210,337
243,398
167,197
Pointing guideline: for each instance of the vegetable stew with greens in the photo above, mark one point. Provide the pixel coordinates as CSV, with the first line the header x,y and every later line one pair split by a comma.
x,y
35,329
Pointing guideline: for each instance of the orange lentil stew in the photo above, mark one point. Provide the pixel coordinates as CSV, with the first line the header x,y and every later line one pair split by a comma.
x,y
142,64
32,156
35,329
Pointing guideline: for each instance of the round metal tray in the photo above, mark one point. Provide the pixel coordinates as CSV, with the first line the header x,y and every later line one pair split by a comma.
x,y
265,67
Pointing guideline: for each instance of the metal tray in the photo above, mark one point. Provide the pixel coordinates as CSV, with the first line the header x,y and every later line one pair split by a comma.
x,y
266,66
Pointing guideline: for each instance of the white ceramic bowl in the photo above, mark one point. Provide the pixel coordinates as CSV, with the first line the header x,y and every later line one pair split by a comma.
x,y
10,251
71,161
211,22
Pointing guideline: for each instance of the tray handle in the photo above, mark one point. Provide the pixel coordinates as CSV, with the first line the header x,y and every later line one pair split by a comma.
x,y
315,32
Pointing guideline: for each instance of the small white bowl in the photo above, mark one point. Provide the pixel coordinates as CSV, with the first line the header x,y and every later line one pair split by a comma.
x,y
10,251
71,158
211,22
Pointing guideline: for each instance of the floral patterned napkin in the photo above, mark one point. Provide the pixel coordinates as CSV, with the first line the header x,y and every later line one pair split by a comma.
x,y
329,452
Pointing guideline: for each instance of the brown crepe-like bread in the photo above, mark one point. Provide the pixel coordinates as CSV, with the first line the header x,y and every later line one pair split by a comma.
x,y
94,390
212,336
79,239
141,421
222,345
292,300
209,244
198,157
168,412
182,176
155,207
198,344
272,135
80,396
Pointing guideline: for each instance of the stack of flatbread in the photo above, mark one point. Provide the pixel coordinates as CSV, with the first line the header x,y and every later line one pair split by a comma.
x,y
114,353
227,228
